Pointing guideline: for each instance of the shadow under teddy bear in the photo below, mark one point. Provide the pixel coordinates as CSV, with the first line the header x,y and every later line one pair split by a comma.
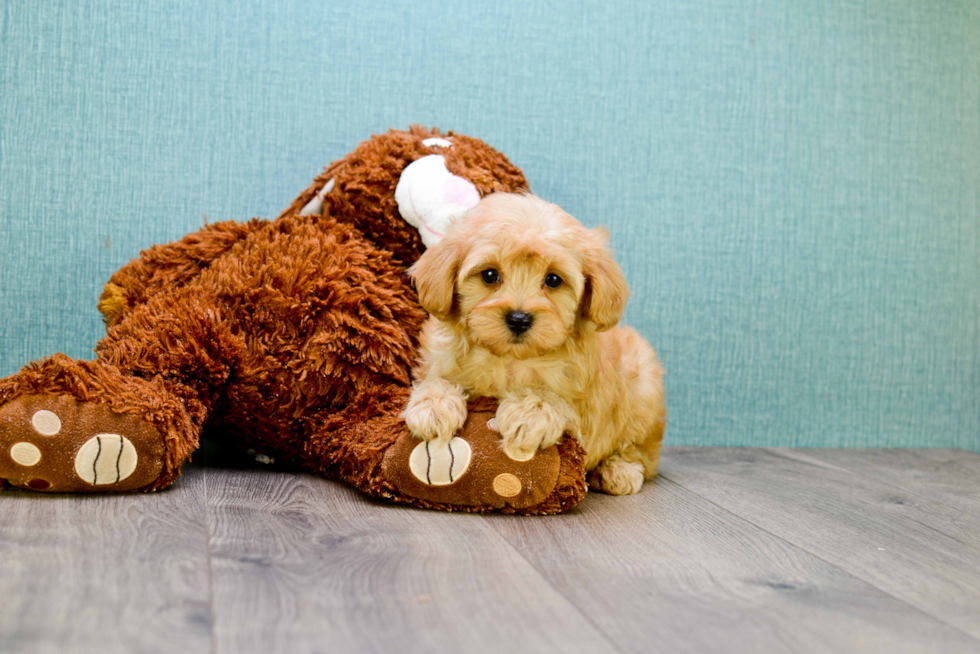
x,y
293,338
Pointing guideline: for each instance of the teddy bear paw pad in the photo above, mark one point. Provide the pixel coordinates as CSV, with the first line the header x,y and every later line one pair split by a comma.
x,y
58,444
439,463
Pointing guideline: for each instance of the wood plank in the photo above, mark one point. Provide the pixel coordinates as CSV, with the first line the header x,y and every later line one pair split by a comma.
x,y
944,476
956,462
302,564
666,571
906,545
105,573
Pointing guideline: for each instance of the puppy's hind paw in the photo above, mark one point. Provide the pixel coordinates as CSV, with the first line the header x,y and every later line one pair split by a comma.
x,y
435,411
617,476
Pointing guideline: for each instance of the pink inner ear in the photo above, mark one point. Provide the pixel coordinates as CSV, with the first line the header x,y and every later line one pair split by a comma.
x,y
460,192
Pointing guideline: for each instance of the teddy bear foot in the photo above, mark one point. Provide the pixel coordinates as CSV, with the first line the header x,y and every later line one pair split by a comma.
x,y
55,443
472,472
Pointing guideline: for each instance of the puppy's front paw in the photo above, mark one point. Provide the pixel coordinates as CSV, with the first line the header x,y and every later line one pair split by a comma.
x,y
617,476
529,424
436,410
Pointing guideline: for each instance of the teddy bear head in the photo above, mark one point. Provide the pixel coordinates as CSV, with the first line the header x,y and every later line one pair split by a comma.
x,y
402,189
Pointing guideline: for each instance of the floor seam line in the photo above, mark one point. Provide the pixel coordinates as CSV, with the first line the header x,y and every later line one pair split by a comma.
x,y
887,485
820,558
578,609
207,539
780,453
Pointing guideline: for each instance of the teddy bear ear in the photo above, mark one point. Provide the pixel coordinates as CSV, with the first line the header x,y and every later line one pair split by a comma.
x,y
606,291
434,275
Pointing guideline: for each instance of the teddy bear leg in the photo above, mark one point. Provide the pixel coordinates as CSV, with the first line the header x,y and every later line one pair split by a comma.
x,y
131,418
163,268
70,426
350,444
181,338
369,447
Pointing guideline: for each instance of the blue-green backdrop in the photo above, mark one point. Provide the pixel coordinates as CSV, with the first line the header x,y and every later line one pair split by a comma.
x,y
793,188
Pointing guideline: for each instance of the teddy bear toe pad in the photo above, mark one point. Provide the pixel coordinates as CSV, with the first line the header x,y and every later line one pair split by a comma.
x,y
58,444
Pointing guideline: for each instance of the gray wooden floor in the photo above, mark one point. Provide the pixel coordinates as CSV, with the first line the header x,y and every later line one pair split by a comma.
x,y
730,550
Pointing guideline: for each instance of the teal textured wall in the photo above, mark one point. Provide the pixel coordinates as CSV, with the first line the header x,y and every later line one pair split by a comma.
x,y
793,188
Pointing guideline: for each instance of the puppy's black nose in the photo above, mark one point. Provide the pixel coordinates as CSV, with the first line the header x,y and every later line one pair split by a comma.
x,y
519,322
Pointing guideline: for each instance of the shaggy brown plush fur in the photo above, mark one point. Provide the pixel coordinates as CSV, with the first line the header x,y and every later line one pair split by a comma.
x,y
365,183
293,338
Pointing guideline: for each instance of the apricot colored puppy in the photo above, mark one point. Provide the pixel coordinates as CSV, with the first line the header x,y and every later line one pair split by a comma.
x,y
523,303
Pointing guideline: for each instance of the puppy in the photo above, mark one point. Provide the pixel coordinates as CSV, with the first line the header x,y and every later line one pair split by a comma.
x,y
523,303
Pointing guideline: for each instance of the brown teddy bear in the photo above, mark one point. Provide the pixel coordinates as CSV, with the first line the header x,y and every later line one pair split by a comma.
x,y
293,339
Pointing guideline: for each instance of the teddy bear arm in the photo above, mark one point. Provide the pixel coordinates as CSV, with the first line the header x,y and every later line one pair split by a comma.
x,y
170,266
310,201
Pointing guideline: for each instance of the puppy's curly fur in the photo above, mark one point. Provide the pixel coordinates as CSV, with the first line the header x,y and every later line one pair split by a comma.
x,y
524,303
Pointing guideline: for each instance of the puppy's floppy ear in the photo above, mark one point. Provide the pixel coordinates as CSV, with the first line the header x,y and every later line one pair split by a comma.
x,y
606,292
434,275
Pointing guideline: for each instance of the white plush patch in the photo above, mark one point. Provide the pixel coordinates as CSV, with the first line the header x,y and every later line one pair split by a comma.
x,y
315,206
438,463
46,423
436,142
105,459
25,454
492,424
430,197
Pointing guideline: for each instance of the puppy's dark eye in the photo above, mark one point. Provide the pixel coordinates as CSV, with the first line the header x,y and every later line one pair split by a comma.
x,y
552,280
490,276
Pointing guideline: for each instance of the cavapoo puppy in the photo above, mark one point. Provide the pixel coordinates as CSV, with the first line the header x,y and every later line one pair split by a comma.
x,y
523,303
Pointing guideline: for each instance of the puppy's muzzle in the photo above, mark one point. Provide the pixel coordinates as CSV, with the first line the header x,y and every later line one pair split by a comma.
x,y
518,322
